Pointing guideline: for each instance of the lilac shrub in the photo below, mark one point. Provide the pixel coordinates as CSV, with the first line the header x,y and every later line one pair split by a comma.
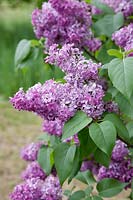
x,y
87,115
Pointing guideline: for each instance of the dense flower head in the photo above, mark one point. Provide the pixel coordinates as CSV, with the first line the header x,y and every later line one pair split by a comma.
x,y
65,21
125,6
55,102
37,189
51,189
33,170
120,151
73,63
124,37
120,167
122,171
29,190
29,152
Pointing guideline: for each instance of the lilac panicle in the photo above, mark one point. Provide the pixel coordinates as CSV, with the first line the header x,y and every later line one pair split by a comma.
x,y
56,103
36,189
120,167
73,63
29,190
51,190
63,22
33,170
124,37
29,152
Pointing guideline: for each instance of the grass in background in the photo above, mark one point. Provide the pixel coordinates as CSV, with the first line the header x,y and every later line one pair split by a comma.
x,y
15,24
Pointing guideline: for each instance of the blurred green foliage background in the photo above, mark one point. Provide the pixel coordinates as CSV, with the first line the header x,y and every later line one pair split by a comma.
x,y
15,24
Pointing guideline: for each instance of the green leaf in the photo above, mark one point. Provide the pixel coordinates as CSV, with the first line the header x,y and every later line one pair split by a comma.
x,y
121,75
76,124
78,195
86,177
22,51
110,187
115,52
125,105
108,24
129,126
87,146
121,129
103,135
103,7
64,156
28,61
102,157
76,165
45,159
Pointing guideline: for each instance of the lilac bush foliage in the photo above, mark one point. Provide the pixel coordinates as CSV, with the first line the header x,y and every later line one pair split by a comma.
x,y
124,37
65,21
125,6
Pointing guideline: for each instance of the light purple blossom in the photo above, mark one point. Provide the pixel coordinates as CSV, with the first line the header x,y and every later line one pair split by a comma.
x,y
29,152
122,171
29,190
65,21
51,189
33,170
120,167
73,63
124,37
55,102
120,151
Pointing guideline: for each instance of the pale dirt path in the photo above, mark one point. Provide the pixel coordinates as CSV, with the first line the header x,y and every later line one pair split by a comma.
x,y
16,130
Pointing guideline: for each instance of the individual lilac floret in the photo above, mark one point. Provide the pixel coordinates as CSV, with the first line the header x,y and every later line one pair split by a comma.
x,y
120,151
73,63
124,6
29,152
64,21
51,189
124,37
33,170
29,190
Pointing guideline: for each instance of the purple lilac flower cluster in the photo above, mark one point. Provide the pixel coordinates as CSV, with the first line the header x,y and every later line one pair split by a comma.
x,y
125,6
65,21
124,37
55,102
120,167
30,151
37,185
37,189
